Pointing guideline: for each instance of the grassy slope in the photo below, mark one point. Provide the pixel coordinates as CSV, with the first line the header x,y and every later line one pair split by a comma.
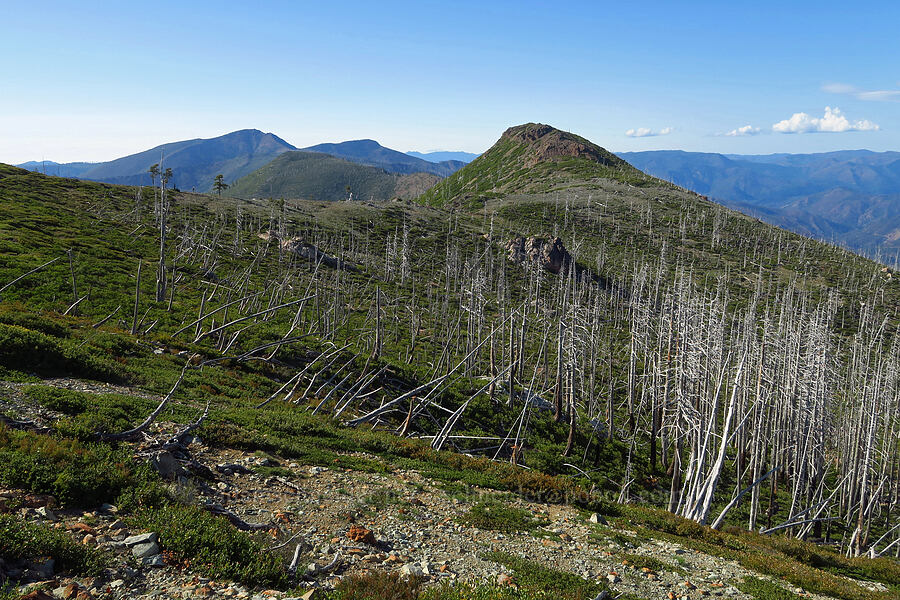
x,y
315,176
42,217
509,167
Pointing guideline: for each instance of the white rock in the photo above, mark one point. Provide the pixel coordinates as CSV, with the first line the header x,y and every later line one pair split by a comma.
x,y
145,550
411,570
46,513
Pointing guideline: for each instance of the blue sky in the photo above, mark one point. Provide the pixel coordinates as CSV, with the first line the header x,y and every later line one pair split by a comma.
x,y
95,80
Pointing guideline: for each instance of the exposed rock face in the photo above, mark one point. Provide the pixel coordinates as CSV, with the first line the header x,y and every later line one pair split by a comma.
x,y
549,254
547,143
308,251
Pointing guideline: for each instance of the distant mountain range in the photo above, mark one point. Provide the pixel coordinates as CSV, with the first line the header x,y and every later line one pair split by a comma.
x,y
318,176
195,163
850,197
442,156
373,154
48,167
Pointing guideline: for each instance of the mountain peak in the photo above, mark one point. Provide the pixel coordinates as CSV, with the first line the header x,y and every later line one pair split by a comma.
x,y
548,143
529,158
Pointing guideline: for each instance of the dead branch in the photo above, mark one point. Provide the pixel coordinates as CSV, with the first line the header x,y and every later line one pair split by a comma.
x,y
133,433
34,270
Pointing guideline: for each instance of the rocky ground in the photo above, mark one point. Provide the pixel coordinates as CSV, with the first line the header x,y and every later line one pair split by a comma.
x,y
348,522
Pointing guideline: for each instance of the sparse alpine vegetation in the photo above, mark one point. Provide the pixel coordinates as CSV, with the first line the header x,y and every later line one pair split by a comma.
x,y
299,393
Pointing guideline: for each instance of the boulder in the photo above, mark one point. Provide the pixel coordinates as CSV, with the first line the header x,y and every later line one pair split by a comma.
x,y
167,465
359,533
145,550
411,570
142,538
597,518
45,513
154,561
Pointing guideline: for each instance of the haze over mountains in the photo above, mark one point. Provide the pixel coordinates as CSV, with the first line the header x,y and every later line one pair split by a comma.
x,y
48,167
850,197
195,163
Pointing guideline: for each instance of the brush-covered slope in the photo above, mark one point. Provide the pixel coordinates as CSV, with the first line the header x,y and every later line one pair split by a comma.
x,y
531,158
373,154
316,176
195,163
690,351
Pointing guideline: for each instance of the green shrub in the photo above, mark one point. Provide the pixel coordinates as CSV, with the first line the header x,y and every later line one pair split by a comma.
x,y
497,516
534,576
21,540
75,474
32,351
68,402
376,586
761,589
212,546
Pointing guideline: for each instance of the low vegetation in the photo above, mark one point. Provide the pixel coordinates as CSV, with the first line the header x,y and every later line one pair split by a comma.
x,y
30,542
498,516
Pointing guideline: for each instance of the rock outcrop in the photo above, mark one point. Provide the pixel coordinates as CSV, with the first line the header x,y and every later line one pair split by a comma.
x,y
548,143
550,254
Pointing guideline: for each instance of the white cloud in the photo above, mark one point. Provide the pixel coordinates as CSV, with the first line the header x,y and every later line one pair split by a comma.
x,y
647,132
743,131
859,94
832,122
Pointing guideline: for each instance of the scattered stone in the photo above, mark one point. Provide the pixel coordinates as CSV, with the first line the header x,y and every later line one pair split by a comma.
x,y
66,592
37,595
232,468
154,561
43,569
142,538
